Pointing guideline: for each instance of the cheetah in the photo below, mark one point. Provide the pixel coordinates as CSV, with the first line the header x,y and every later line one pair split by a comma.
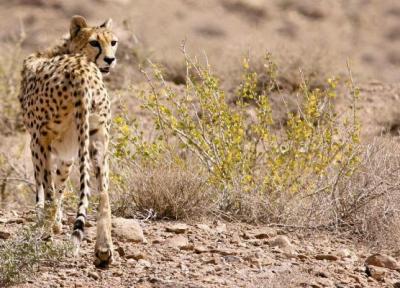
x,y
66,110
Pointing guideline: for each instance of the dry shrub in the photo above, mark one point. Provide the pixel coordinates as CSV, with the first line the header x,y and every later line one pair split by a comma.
x,y
16,187
366,203
370,198
162,191
10,63
175,72
22,255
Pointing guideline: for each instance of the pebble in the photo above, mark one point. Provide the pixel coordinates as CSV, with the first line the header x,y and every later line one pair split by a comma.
x,y
328,257
4,235
144,263
137,255
94,275
264,233
178,241
200,249
220,228
378,273
178,228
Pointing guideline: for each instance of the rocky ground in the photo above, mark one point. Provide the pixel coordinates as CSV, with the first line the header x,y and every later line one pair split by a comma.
x,y
217,254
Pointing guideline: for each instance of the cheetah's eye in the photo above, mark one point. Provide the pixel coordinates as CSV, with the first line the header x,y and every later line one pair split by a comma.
x,y
113,43
94,43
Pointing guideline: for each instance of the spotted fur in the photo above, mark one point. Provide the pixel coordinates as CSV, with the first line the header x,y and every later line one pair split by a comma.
x,y
66,110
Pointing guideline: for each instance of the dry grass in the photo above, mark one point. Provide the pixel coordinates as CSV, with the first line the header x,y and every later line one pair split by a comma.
x,y
10,118
165,191
364,204
370,198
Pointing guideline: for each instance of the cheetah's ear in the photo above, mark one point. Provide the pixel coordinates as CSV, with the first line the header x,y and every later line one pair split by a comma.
x,y
107,24
77,23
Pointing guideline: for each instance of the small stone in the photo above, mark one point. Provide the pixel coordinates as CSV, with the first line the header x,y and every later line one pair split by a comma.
x,y
128,229
328,257
158,241
214,260
220,228
131,262
144,263
200,249
178,241
94,275
178,228
280,241
223,251
378,273
118,273
322,274
381,260
255,242
344,253
204,227
235,239
232,259
4,235
62,275
135,254
189,247
290,254
265,233
120,251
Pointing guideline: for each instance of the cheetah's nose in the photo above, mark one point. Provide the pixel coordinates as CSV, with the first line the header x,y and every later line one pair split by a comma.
x,y
109,60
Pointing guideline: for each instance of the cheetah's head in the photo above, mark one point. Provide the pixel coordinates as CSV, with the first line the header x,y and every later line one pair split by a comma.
x,y
98,43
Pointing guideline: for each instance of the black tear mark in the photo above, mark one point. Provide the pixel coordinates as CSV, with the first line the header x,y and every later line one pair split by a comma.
x,y
98,54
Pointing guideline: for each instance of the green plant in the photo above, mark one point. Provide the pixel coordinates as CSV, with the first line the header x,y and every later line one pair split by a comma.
x,y
22,255
241,153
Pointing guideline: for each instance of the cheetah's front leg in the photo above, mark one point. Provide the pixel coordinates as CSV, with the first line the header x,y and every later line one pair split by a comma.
x,y
98,152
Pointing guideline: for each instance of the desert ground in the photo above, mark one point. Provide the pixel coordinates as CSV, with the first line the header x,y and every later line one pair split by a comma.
x,y
200,244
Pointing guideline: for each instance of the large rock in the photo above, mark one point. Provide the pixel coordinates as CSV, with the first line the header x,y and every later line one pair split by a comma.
x,y
382,260
128,229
